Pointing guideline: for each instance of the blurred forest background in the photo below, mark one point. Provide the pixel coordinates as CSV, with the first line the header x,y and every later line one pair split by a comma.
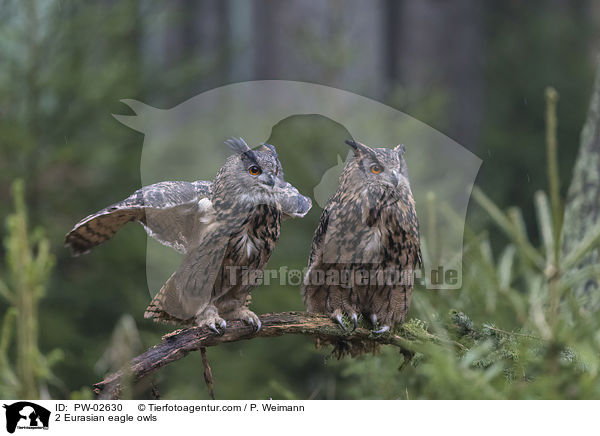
x,y
476,71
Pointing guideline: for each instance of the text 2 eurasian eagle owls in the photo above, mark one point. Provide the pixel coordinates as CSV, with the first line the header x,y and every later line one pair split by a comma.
x,y
366,246
221,227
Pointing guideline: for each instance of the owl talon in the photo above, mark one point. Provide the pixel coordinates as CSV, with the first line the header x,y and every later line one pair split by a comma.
x,y
214,328
210,318
383,329
338,318
255,325
247,316
354,318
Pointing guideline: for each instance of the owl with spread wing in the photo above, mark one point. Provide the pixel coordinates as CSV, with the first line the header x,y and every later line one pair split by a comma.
x,y
366,246
224,228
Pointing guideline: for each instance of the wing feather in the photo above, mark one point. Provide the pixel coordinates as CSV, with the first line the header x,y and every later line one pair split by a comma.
x,y
171,212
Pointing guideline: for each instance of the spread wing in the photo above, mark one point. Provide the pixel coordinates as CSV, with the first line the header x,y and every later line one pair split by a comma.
x,y
173,213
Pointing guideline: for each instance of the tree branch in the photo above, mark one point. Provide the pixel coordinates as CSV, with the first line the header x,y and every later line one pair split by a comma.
x,y
180,343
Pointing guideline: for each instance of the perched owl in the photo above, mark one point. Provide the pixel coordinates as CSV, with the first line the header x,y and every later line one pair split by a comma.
x,y
224,228
366,246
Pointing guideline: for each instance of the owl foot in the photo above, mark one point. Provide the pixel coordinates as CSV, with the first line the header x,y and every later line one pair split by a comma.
x,y
247,316
254,322
212,324
211,319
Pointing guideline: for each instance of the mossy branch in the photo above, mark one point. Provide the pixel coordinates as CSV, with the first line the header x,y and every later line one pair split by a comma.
x,y
180,343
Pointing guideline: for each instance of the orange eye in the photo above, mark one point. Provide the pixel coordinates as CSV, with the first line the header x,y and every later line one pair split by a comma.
x,y
376,169
254,170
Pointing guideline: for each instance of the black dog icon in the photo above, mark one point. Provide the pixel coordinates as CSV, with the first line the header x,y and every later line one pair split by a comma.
x,y
30,413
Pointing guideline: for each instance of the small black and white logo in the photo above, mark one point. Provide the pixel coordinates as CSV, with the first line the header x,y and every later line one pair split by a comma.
x,y
26,415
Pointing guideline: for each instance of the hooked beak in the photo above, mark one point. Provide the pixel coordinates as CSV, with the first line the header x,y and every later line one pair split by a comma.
x,y
269,180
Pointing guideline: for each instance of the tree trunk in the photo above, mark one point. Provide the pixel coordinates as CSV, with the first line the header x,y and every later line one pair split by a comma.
x,y
582,209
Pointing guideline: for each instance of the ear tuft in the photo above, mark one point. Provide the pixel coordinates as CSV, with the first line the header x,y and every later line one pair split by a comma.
x,y
269,147
400,149
358,148
238,145
352,143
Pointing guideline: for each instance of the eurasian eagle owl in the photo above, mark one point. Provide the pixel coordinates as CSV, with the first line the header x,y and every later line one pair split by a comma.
x,y
366,246
221,227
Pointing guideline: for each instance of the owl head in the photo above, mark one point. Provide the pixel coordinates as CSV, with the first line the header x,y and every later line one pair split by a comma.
x,y
255,170
255,176
384,167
